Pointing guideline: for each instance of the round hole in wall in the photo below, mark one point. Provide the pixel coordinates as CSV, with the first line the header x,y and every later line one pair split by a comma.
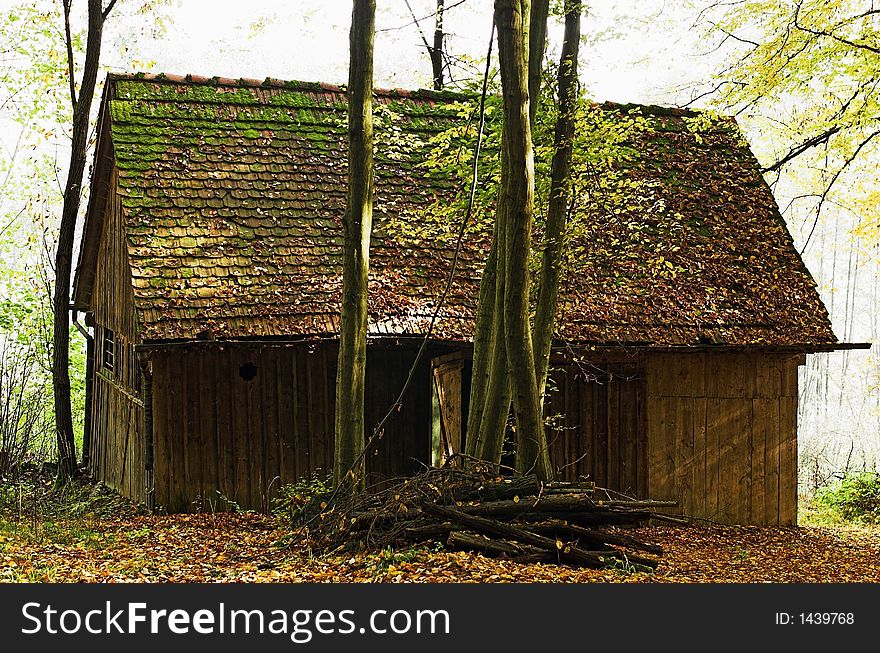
x,y
247,371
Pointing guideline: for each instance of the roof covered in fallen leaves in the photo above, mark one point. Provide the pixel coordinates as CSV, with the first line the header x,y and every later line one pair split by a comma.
x,y
233,194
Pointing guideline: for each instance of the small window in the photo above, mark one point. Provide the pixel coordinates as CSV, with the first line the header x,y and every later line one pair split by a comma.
x,y
248,371
108,350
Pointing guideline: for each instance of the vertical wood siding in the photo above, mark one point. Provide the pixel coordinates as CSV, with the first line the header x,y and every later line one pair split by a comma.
x,y
722,435
448,384
116,425
220,438
596,412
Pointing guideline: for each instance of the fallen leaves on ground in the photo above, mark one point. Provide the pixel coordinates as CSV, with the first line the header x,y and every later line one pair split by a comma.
x,y
258,548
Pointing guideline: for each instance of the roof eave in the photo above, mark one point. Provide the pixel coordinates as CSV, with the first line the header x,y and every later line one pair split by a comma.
x,y
84,274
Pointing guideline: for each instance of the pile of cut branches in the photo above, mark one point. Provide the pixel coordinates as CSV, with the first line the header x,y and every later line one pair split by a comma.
x,y
518,518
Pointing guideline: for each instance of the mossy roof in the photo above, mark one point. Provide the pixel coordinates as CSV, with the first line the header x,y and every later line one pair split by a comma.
x,y
234,191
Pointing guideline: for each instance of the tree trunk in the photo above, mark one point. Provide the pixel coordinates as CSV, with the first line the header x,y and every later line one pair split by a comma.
x,y
560,173
484,344
487,424
436,51
357,226
496,403
81,105
537,42
519,196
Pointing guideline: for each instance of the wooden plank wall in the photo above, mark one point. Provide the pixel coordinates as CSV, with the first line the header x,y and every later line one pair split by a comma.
x,y
722,435
597,417
448,384
219,438
117,457
113,293
116,435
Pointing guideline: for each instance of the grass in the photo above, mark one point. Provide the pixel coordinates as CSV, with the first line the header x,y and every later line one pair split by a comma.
x,y
34,510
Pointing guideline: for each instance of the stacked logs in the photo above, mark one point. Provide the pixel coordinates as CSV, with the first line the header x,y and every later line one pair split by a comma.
x,y
516,518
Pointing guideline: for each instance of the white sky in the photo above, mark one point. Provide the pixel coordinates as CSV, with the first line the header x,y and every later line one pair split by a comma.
x,y
636,50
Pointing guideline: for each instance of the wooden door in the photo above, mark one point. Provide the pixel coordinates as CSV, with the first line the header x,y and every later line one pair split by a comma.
x,y
448,389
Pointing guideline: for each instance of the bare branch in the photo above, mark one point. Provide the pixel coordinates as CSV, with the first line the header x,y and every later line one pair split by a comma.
x,y
715,5
13,220
417,23
731,35
711,91
435,51
417,20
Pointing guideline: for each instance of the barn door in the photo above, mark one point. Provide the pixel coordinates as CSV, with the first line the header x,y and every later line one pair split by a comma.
x,y
448,406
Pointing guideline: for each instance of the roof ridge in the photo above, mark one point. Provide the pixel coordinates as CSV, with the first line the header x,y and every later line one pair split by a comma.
x,y
273,82
418,94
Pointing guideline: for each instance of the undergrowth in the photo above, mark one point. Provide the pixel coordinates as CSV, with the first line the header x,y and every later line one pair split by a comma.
x,y
35,508
306,497
854,499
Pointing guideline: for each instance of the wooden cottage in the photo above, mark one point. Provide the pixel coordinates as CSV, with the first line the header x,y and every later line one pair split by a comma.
x,y
209,273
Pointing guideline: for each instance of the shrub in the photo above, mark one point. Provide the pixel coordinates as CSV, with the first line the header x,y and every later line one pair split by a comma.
x,y
25,426
855,498
300,500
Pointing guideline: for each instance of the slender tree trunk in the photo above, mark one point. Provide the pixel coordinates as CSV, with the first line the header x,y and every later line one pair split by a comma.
x,y
490,394
436,51
496,403
490,398
484,345
357,226
81,104
511,17
540,9
560,173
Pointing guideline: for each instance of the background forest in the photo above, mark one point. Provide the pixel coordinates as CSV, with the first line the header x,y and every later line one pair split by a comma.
x,y
801,78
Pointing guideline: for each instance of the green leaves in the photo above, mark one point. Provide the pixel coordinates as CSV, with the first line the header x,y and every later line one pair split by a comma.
x,y
806,75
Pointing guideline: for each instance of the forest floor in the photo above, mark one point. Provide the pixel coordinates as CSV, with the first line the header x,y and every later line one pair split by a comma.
x,y
89,535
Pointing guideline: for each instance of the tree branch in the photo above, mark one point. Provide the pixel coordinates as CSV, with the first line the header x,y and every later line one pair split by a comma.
x,y
417,20
824,137
711,91
797,150
68,40
434,55
731,35
107,9
417,23
831,183
840,39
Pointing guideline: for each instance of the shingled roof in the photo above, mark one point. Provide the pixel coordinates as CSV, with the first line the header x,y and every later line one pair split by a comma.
x,y
233,193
